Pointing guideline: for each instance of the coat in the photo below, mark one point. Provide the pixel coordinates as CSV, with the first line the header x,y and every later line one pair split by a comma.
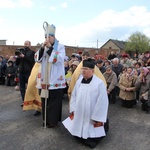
x,y
111,80
124,83
143,87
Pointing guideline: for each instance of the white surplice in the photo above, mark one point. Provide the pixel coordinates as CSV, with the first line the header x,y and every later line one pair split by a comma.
x,y
89,102
52,72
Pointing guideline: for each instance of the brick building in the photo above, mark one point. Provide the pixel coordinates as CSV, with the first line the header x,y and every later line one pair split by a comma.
x,y
3,42
10,49
104,50
112,45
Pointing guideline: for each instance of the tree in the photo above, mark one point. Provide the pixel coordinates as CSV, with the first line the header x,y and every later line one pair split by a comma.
x,y
137,42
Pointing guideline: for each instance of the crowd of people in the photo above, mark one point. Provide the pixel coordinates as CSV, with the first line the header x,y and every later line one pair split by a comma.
x,y
8,70
127,78
91,83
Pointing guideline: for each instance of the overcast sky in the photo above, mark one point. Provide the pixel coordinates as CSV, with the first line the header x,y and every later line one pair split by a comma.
x,y
80,23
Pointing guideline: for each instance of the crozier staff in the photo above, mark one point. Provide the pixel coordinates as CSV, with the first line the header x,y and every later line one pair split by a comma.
x,y
51,80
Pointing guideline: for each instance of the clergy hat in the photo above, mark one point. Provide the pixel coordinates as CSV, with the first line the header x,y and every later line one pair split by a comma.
x,y
89,63
50,30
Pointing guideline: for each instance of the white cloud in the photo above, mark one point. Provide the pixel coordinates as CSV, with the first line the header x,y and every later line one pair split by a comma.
x,y
2,20
19,39
53,8
7,4
13,4
146,31
25,3
108,24
64,5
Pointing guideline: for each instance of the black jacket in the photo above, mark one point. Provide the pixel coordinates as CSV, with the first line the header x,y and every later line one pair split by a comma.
x,y
11,70
102,69
111,56
25,64
117,69
2,68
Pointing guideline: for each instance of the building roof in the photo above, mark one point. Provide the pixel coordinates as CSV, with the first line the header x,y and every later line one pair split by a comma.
x,y
120,44
2,40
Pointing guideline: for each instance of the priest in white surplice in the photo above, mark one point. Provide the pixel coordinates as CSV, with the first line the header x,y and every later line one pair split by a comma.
x,y
88,107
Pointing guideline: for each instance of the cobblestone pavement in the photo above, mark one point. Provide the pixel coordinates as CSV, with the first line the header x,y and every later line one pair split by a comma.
x,y
20,130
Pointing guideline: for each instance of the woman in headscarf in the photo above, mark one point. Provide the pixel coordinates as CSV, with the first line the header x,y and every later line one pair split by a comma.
x,y
143,85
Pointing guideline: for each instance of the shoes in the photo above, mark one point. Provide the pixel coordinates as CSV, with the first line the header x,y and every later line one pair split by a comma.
x,y
37,113
48,125
51,126
91,142
143,107
21,105
148,110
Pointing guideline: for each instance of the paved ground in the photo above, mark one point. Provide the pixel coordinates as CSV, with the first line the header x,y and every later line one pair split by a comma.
x,y
20,130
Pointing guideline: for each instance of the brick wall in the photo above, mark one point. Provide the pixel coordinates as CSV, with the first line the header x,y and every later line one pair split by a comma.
x,y
106,51
10,50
